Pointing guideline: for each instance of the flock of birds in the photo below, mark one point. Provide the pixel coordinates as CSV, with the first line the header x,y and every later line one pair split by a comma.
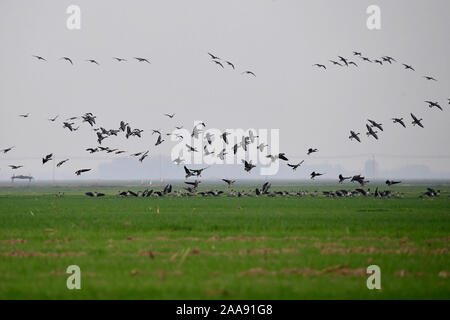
x,y
372,125
231,147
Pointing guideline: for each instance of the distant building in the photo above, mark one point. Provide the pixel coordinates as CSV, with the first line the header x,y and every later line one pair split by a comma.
x,y
21,177
371,168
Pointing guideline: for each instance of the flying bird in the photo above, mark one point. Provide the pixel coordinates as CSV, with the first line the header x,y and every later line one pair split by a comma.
x,y
249,72
170,115
218,63
399,121
295,166
53,119
315,174
408,67
416,121
229,182
335,63
93,61
119,59
311,150
371,132
47,158
230,64
432,104
248,166
79,172
375,124
354,135
40,58
159,141
142,60
318,65
342,178
7,150
392,182
67,59
59,164
213,56
14,167
429,78
24,115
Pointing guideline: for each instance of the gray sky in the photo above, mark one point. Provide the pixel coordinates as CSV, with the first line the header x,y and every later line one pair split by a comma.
x,y
278,40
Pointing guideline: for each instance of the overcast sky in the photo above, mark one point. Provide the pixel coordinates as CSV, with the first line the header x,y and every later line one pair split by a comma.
x,y
278,40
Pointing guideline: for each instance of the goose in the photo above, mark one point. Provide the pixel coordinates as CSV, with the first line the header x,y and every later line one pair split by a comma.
x,y
371,132
224,137
47,158
206,151
295,166
79,172
142,60
408,67
311,150
354,135
40,58
119,59
315,174
191,148
213,56
7,149
248,166
318,65
416,121
24,115
342,178
14,167
356,53
67,59
53,119
375,124
392,182
230,64
92,61
218,63
170,115
335,63
343,60
261,147
229,182
432,104
430,78
144,155
399,121
178,161
222,154
249,72
159,141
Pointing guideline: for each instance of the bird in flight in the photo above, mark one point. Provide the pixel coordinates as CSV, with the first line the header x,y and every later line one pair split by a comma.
x,y
67,59
159,141
53,119
14,167
432,104
169,115
342,178
24,115
248,166
7,150
145,155
40,58
218,63
416,121
79,172
249,72
59,164
178,161
429,78
229,182
343,60
356,53
191,149
408,67
318,65
119,59
142,59
93,61
378,61
371,132
315,174
375,124
335,63
295,166
399,121
392,182
230,64
352,63
47,158
354,135
213,56
311,150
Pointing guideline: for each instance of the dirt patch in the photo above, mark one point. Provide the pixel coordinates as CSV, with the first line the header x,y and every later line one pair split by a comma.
x,y
371,250
13,241
339,270
42,254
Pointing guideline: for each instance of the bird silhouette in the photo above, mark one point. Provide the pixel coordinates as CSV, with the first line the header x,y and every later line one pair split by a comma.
x,y
416,121
295,166
67,59
354,135
40,58
399,121
47,158
79,172
142,60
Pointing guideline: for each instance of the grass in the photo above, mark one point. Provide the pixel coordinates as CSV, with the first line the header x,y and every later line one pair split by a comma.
x,y
223,248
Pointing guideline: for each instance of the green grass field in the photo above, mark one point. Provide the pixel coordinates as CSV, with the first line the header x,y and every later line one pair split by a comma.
x,y
223,248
